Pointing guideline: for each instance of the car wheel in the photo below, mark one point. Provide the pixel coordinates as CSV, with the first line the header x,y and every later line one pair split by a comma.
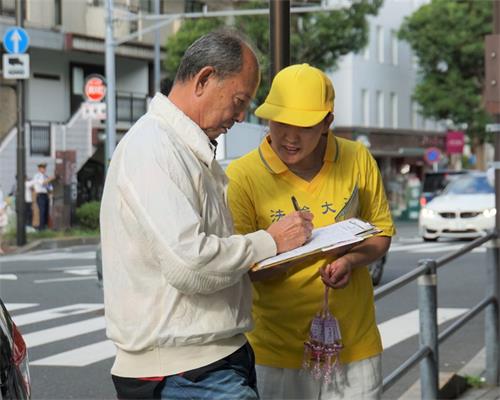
x,y
376,269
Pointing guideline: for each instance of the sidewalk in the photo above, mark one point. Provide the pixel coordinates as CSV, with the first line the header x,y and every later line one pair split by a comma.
x,y
454,386
52,244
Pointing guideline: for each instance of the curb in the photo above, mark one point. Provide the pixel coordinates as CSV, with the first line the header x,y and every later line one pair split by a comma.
x,y
455,381
50,244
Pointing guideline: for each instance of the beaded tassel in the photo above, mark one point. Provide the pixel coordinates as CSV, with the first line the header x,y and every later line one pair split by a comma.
x,y
321,351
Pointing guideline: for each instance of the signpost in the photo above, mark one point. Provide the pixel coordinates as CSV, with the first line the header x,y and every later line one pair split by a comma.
x,y
94,92
432,156
16,65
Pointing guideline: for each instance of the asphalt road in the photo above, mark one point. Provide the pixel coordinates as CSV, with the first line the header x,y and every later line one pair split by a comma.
x,y
58,305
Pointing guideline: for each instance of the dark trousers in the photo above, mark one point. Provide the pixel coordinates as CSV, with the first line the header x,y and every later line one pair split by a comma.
x,y
28,212
42,200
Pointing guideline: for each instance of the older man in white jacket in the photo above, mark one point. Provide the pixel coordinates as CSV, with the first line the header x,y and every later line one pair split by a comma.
x,y
176,287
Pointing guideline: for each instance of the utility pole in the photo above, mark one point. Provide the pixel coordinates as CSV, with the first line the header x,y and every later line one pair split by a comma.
x,y
110,83
21,148
279,24
157,51
492,102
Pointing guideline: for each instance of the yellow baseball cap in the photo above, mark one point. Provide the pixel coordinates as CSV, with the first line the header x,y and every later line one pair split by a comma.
x,y
300,95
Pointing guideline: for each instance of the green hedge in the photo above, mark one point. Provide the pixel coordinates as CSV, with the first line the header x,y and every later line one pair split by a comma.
x,y
88,215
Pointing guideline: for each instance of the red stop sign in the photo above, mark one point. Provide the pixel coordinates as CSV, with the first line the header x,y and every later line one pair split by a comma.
x,y
95,88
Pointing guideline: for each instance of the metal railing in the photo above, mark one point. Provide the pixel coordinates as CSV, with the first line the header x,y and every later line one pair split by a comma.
x,y
428,353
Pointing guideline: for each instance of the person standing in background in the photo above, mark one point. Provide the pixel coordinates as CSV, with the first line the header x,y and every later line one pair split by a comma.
x,y
42,188
28,200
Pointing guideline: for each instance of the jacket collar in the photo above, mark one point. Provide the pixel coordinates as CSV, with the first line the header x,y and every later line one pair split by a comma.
x,y
183,127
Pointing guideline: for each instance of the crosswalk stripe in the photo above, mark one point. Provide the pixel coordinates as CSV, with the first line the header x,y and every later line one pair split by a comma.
x,y
402,327
19,306
89,255
80,357
8,277
81,278
82,271
64,332
53,313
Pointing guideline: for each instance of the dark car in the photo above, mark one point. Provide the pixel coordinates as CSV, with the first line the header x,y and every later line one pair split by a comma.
x,y
434,183
14,370
376,270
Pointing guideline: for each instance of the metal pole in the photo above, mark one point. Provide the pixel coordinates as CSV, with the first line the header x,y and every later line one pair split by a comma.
x,y
491,313
427,305
491,319
21,149
279,22
110,82
157,51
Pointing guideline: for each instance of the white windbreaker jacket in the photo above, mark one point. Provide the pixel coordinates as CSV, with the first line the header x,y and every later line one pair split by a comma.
x,y
176,289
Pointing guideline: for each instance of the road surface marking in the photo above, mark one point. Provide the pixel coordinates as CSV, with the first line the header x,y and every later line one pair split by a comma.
x,y
80,357
64,332
402,327
19,306
88,255
84,278
53,313
8,277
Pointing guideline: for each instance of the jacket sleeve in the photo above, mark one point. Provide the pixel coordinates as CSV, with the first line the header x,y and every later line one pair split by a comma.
x,y
168,219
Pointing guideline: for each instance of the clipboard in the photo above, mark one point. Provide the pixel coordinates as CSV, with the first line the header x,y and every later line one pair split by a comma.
x,y
326,238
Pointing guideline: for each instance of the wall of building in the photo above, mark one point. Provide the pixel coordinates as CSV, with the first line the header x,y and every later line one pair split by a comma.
x,y
369,73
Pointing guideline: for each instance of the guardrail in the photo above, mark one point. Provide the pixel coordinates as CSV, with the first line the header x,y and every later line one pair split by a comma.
x,y
428,353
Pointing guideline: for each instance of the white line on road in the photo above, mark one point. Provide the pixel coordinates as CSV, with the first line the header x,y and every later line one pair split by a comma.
x,y
8,277
19,306
83,271
53,313
64,332
88,255
82,278
72,268
80,357
405,326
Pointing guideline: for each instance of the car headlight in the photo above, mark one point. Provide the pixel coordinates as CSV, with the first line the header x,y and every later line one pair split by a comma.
x,y
490,212
426,212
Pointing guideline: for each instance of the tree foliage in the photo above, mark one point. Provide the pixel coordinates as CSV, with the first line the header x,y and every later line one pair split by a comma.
x,y
448,39
319,39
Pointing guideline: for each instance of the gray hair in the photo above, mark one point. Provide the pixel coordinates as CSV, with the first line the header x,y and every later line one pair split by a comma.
x,y
221,49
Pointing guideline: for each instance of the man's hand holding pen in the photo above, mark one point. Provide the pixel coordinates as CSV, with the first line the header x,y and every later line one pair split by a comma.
x,y
293,230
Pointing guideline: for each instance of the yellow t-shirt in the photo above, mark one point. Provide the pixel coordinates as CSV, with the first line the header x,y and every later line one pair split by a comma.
x,y
349,184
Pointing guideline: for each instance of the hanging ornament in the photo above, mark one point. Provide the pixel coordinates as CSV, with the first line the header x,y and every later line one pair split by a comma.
x,y
321,351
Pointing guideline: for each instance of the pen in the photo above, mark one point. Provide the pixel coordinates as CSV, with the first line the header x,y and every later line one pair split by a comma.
x,y
295,204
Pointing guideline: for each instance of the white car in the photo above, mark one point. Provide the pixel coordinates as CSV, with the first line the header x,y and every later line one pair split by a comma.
x,y
465,209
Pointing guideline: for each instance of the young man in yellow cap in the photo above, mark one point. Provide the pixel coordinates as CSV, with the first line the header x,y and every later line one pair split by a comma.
x,y
335,179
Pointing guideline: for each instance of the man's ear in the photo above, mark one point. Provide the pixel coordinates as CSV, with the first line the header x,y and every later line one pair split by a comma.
x,y
328,121
202,79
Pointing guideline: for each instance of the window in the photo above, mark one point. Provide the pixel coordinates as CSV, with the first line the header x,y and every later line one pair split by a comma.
x,y
8,8
40,139
394,47
380,44
365,107
380,109
394,110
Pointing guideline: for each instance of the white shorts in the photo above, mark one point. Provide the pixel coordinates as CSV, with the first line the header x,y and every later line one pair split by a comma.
x,y
357,380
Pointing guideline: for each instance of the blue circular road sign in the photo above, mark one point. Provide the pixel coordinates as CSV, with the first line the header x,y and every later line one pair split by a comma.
x,y
16,40
432,155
